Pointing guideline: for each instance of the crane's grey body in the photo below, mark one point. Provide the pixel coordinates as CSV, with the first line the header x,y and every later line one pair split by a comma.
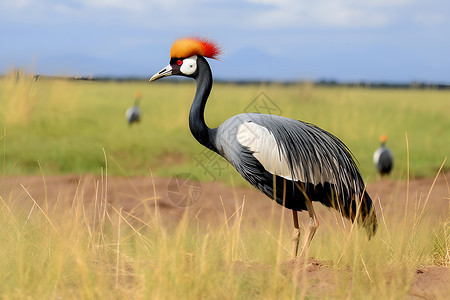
x,y
312,157
383,160
290,161
133,114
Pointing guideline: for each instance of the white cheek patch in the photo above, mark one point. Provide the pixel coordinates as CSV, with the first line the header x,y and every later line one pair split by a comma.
x,y
189,65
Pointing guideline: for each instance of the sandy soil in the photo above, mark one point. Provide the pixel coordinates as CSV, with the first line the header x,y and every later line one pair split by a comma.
x,y
172,197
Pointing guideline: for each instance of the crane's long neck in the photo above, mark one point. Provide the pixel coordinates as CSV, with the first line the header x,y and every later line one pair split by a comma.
x,y
202,133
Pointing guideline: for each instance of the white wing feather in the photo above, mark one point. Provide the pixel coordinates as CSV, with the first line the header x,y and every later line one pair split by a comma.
x,y
265,149
262,143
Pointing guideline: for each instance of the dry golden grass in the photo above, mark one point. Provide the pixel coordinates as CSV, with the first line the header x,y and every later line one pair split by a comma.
x,y
92,248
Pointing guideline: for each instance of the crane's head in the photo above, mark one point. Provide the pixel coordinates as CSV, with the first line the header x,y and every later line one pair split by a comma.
x,y
184,54
383,139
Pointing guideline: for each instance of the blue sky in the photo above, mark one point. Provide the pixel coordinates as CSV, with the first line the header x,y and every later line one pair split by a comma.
x,y
345,40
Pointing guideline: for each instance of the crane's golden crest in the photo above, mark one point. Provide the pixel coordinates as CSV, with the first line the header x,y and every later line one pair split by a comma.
x,y
187,47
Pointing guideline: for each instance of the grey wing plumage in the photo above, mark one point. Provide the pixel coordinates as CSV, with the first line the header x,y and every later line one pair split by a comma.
x,y
384,160
293,149
133,114
266,150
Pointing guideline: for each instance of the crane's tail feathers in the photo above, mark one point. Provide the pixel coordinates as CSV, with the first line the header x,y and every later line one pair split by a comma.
x,y
366,215
368,218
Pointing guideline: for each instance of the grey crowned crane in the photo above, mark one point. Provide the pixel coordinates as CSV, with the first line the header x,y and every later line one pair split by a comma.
x,y
133,114
290,161
383,158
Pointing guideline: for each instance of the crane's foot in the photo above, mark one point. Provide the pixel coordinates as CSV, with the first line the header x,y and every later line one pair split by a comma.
x,y
296,241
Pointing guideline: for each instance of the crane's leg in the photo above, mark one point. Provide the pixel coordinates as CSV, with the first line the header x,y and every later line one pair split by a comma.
x,y
296,234
313,223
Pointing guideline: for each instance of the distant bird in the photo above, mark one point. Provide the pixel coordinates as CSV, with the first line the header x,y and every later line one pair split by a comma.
x,y
133,114
383,158
290,161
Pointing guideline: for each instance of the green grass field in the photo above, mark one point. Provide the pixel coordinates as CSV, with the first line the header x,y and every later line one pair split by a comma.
x,y
66,249
65,125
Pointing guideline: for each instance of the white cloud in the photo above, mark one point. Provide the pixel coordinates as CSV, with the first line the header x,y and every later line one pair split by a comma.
x,y
256,14
132,5
326,13
14,4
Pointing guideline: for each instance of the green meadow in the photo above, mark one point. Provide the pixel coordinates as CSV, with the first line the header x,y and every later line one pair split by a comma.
x,y
65,126
75,247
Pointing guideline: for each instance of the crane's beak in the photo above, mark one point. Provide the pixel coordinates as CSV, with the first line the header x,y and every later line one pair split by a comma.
x,y
167,71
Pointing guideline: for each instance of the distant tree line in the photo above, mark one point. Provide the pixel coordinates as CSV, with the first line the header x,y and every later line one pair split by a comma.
x,y
320,82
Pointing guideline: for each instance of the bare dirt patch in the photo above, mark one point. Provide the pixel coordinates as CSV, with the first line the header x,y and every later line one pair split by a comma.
x,y
208,202
431,282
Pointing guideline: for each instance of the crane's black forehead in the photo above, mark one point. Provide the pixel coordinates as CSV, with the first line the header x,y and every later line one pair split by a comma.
x,y
174,60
